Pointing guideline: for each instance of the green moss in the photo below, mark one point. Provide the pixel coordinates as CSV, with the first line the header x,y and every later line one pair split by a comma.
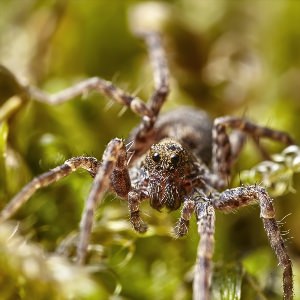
x,y
228,57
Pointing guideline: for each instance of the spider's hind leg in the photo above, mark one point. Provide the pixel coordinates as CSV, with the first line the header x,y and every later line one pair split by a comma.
x,y
160,71
158,59
225,152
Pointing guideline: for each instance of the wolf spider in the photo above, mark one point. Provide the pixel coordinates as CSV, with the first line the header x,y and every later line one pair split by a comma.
x,y
167,162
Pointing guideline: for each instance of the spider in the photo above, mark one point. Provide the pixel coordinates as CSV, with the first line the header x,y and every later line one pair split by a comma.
x,y
180,159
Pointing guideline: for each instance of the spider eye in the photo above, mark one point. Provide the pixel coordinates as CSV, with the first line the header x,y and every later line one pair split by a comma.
x,y
156,157
175,159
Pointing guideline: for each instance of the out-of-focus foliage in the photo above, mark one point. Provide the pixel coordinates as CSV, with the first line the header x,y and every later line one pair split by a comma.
x,y
276,174
227,57
27,272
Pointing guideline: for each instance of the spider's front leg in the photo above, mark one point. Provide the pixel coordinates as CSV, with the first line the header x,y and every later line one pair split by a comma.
x,y
112,172
206,227
203,269
103,173
232,199
90,164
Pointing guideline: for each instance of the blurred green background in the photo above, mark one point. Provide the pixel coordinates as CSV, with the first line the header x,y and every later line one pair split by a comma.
x,y
237,58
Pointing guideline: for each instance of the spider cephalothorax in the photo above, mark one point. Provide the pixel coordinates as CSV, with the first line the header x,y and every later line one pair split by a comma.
x,y
168,167
178,159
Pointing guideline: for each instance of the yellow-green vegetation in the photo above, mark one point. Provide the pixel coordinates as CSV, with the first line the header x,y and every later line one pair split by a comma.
x,y
237,58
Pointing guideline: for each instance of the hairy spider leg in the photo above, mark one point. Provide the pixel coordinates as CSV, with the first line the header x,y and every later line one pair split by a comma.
x,y
121,184
205,215
134,199
114,153
101,171
158,60
223,154
148,111
203,269
113,173
160,72
182,226
100,85
90,164
234,198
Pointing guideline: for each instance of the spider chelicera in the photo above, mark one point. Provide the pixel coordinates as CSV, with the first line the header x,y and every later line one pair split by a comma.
x,y
167,161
